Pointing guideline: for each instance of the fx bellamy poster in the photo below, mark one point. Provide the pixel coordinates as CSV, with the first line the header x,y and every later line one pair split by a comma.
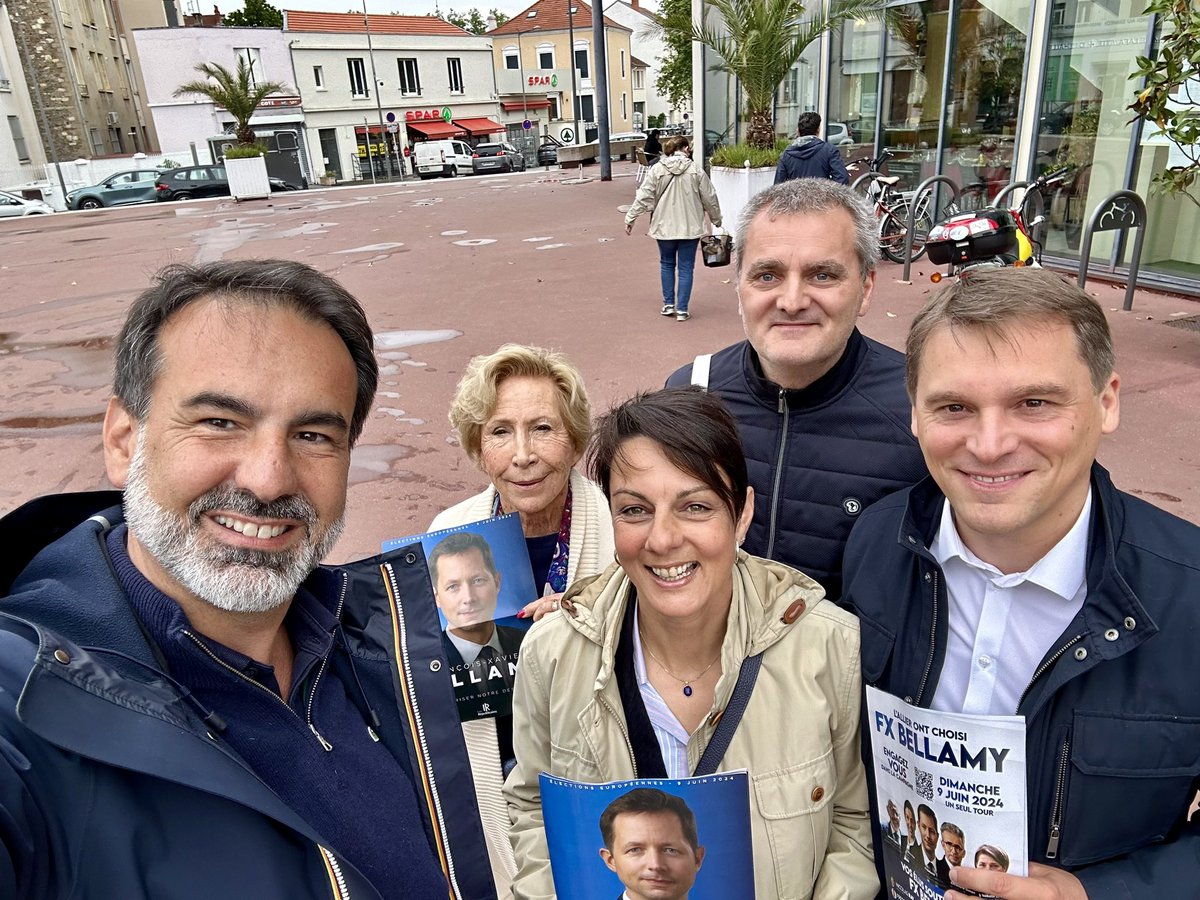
x,y
481,578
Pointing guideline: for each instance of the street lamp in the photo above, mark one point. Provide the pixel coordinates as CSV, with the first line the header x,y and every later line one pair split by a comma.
x,y
521,65
571,60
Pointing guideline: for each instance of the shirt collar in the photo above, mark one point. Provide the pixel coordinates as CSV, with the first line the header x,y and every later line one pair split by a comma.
x,y
1061,571
469,650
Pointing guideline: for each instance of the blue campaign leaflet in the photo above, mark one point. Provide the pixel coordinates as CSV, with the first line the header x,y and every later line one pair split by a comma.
x,y
957,781
481,579
648,846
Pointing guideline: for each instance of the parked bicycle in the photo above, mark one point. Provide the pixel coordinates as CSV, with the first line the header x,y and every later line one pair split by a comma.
x,y
995,237
891,208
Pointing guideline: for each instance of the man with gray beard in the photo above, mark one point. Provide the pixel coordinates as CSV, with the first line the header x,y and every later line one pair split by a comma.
x,y
190,704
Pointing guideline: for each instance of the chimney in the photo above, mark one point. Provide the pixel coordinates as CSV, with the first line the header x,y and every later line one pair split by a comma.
x,y
634,4
491,23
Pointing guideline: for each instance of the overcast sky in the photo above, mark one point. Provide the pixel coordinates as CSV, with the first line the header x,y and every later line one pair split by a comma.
x,y
381,7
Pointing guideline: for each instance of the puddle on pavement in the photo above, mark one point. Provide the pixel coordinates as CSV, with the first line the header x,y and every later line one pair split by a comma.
x,y
394,340
45,422
87,362
373,462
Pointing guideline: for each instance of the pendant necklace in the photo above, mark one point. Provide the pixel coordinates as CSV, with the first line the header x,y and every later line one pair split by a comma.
x,y
687,682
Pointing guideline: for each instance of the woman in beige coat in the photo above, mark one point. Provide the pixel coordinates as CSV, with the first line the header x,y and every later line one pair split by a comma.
x,y
631,677
677,194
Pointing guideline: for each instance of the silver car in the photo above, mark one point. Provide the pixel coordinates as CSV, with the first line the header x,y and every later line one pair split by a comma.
x,y
16,205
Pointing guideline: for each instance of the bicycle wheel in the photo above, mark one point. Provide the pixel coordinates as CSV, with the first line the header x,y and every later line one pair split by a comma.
x,y
893,229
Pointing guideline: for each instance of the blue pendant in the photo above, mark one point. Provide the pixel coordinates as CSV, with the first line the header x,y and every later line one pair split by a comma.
x,y
687,690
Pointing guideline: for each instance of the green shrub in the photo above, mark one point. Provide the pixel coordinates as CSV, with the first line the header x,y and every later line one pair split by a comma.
x,y
168,163
735,156
245,151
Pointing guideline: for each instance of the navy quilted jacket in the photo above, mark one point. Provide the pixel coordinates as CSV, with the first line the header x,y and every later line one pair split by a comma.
x,y
820,455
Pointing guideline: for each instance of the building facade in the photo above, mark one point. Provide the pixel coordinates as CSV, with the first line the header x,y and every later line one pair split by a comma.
x,y
370,93
545,67
22,159
88,102
991,91
647,48
169,57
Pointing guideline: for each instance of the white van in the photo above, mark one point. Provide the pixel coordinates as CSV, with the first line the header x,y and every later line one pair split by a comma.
x,y
443,158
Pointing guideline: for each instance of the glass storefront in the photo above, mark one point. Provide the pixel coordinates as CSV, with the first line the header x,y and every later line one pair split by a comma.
x,y
991,91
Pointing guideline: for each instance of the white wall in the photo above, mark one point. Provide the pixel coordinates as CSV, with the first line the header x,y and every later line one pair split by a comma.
x,y
648,49
15,101
169,57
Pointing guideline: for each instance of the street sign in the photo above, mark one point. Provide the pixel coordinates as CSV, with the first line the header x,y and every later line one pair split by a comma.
x,y
391,117
526,124
393,127
567,135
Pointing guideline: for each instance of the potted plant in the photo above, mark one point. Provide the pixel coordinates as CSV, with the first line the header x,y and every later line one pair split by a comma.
x,y
328,177
239,94
758,42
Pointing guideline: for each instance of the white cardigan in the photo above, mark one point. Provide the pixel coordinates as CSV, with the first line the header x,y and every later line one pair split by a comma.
x,y
590,551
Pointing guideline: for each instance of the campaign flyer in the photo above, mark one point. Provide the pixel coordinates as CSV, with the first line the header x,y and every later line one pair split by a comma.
x,y
481,579
684,839
950,790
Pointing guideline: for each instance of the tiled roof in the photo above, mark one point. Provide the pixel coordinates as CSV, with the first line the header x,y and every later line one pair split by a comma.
x,y
634,61
352,23
551,15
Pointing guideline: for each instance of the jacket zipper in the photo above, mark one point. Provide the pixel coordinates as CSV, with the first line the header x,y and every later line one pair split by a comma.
x,y
401,638
1041,670
783,411
625,734
312,691
1056,810
337,880
932,643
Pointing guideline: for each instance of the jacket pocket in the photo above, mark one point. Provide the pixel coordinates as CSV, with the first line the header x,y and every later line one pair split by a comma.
x,y
794,805
876,650
1130,783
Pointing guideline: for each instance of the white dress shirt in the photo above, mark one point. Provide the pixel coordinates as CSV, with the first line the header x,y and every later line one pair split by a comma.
x,y
469,650
1002,626
672,736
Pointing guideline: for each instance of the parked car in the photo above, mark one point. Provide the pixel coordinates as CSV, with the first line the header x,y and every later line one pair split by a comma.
x,y
133,186
448,157
838,134
501,157
16,205
548,154
194,182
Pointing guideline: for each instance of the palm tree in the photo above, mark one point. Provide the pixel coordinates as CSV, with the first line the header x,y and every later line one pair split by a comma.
x,y
758,42
237,92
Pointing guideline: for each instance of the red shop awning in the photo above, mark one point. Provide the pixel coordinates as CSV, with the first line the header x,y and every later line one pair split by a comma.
x,y
479,126
517,105
435,129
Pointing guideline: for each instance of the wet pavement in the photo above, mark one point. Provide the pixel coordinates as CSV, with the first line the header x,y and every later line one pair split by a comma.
x,y
446,270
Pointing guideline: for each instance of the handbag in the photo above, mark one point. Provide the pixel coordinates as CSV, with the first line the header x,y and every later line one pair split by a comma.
x,y
715,249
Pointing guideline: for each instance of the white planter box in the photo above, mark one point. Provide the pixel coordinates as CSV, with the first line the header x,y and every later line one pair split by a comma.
x,y
734,189
248,178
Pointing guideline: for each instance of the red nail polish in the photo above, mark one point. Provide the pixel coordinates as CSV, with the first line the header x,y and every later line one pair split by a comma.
x,y
520,614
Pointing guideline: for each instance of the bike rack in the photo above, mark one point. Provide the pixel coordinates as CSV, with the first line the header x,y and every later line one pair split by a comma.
x,y
1121,217
922,188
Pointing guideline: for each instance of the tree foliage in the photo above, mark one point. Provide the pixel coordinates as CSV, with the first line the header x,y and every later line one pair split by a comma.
x,y
758,42
674,78
1171,97
254,13
236,91
472,20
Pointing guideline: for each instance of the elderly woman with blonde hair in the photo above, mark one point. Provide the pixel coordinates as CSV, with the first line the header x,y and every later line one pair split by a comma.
x,y
523,416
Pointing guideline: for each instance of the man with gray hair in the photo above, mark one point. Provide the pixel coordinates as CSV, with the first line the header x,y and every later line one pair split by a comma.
x,y
821,408
190,705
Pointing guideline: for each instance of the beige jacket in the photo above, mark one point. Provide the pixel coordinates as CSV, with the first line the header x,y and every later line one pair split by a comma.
x,y
678,194
798,737
589,550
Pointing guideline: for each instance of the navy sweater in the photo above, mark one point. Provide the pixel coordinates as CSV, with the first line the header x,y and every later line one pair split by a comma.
x,y
356,795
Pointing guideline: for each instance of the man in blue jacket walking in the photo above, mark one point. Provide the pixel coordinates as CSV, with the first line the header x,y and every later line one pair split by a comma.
x,y
190,705
809,156
1017,580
